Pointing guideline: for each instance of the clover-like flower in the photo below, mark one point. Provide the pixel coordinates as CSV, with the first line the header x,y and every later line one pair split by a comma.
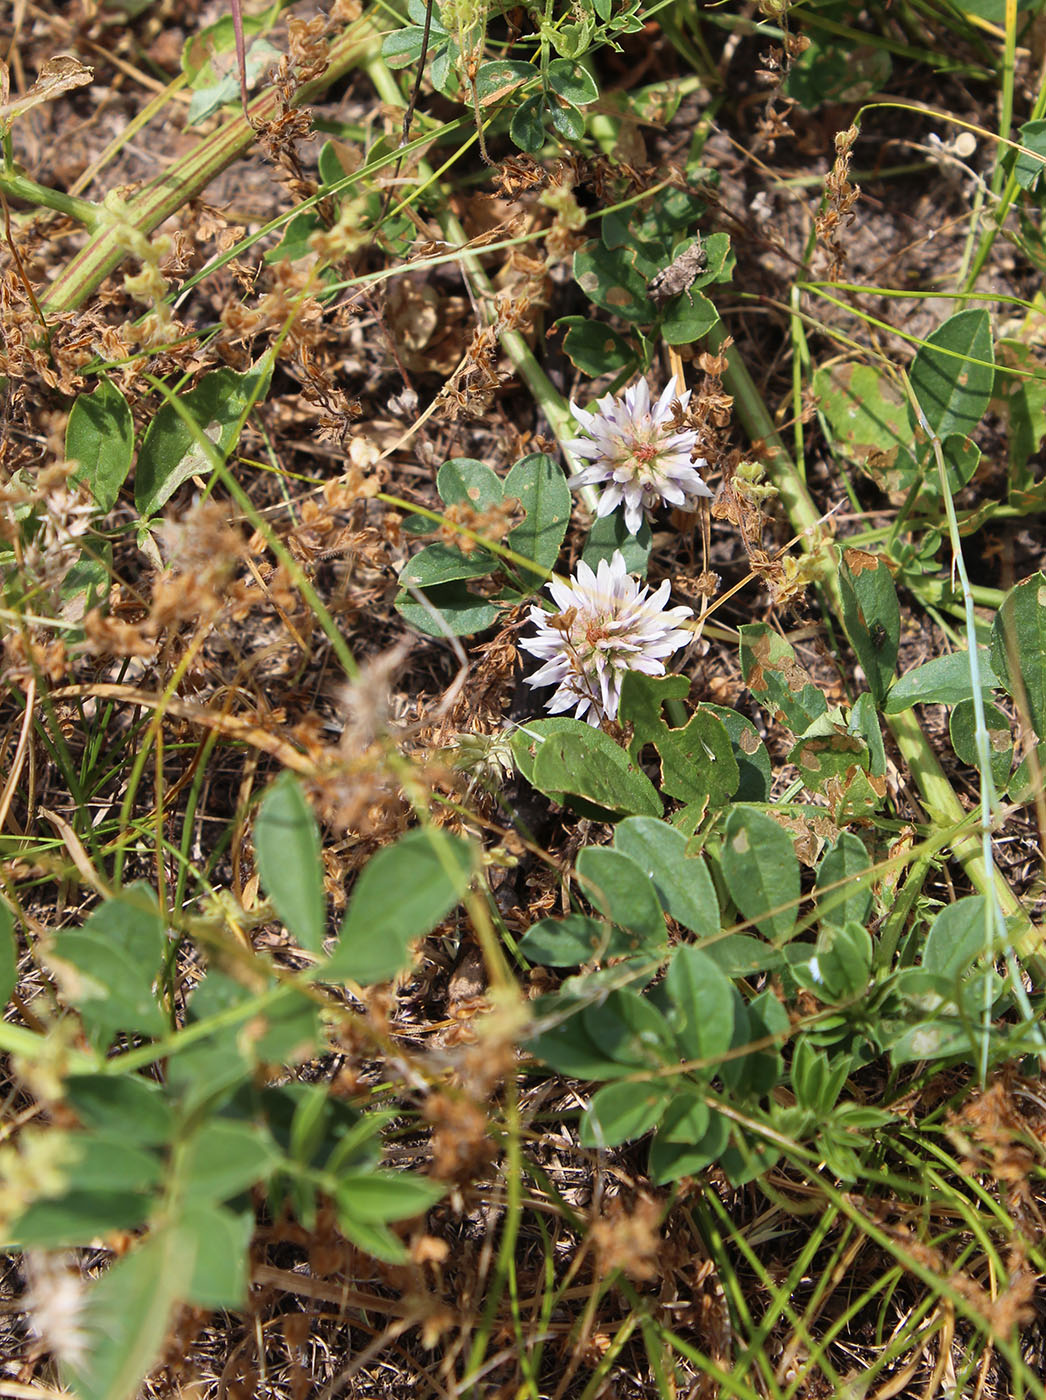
x,y
608,624
630,445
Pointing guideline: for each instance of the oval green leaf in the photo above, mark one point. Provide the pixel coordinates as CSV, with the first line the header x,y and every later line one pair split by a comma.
x,y
403,893
290,861
761,871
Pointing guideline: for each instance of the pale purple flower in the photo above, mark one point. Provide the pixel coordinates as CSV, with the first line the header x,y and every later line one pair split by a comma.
x,y
608,624
630,444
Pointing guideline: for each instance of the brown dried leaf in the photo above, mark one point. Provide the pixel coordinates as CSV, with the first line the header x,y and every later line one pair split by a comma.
x,y
58,75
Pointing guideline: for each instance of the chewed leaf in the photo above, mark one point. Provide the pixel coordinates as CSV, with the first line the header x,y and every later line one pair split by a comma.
x,y
777,680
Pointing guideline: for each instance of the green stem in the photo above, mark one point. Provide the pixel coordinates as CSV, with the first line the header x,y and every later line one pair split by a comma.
x,y
1009,192
19,186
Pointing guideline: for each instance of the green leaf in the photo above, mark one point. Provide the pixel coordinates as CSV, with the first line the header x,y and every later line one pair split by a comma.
x,y
830,71
865,415
100,437
126,1315
953,374
86,584
750,755
623,1112
595,349
404,46
1019,647
572,82
610,278
700,1005
662,222
572,941
742,955
697,760
682,883
619,888
1027,780
294,244
402,894
570,40
464,481
290,861
567,121
107,967
124,1104
76,1218
496,80
378,1197
1027,169
871,616
564,1043
366,1235
817,1082
219,1240
690,1138
458,613
8,953
688,318
1020,398
844,864
538,483
527,127
761,871
170,453
223,1158
569,760
630,1031
209,1067
943,681
107,1162
776,679
958,938
962,727
840,966
610,534
441,563
224,87
864,722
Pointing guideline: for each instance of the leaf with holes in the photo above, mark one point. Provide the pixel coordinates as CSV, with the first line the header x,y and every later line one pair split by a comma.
x,y
962,729
871,616
595,348
697,760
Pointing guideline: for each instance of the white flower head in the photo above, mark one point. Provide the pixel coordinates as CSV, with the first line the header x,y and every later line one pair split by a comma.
x,y
630,445
608,624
